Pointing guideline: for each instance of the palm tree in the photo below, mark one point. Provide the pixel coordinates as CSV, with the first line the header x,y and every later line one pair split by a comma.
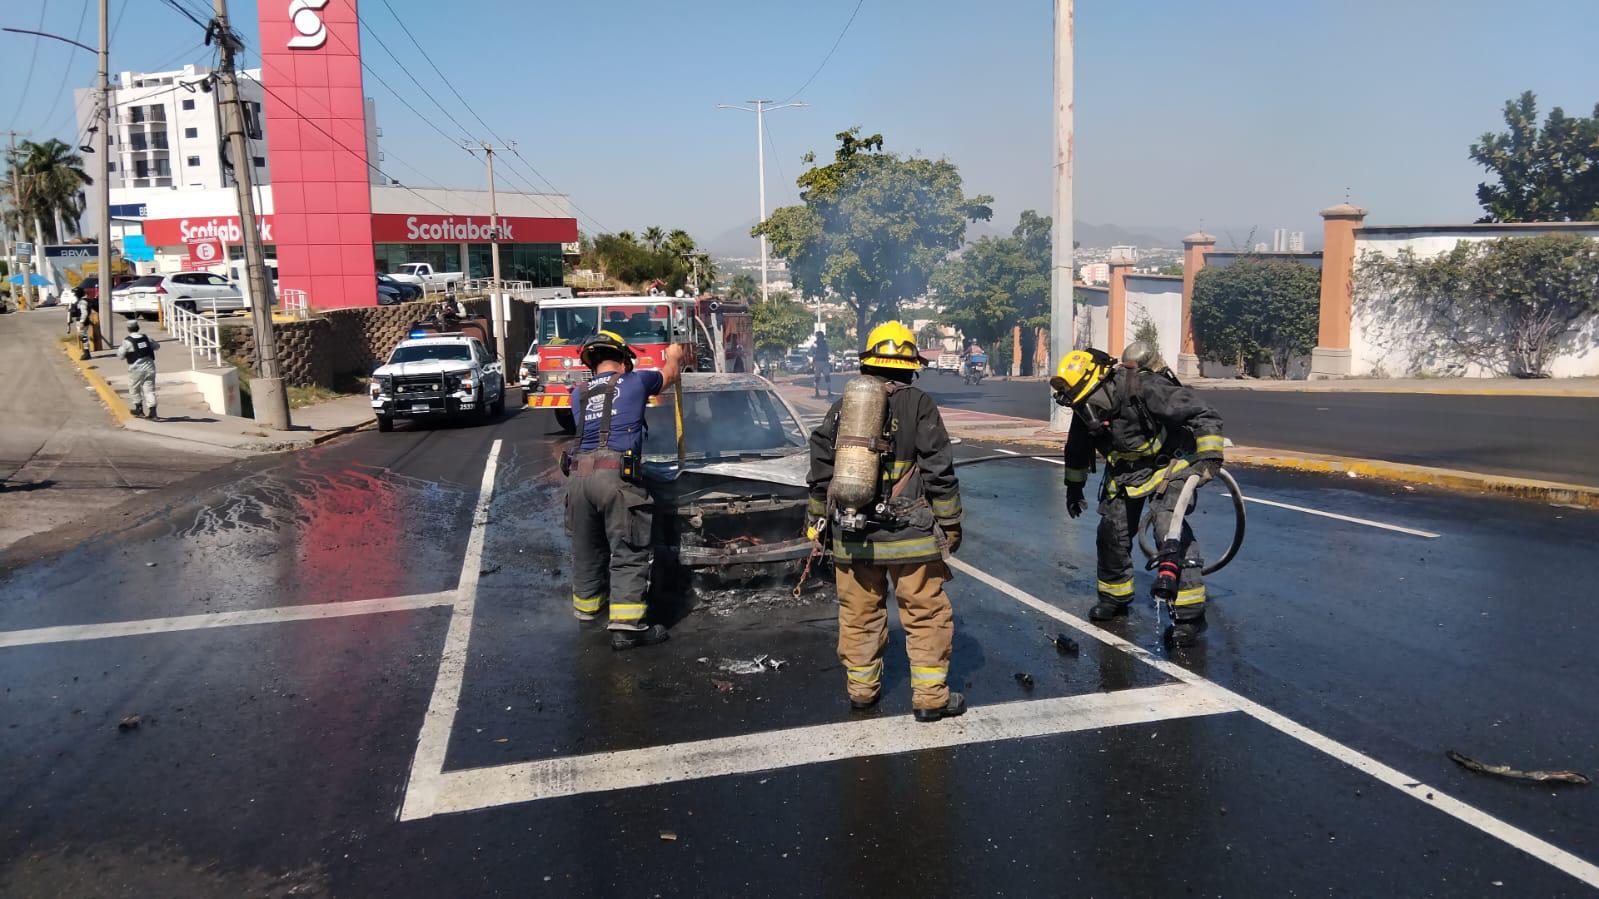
x,y
51,178
679,243
707,269
654,237
743,286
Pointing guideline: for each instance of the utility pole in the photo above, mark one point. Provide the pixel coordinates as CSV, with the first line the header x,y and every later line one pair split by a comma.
x,y
496,310
761,108
266,389
1061,269
22,226
102,193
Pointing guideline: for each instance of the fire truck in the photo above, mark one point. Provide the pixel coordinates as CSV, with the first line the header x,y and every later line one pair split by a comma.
x,y
717,336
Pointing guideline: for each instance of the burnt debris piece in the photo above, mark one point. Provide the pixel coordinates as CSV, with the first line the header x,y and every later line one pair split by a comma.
x,y
1509,773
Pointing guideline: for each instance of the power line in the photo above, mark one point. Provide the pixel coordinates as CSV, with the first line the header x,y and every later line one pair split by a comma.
x,y
829,55
424,90
771,143
187,14
66,67
33,58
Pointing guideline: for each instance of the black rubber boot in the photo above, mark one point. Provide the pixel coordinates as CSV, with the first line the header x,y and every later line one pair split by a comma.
x,y
655,633
1185,631
1105,610
953,708
857,705
152,413
138,411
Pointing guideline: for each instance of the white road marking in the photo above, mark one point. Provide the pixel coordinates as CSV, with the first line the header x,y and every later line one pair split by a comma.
x,y
1470,815
427,766
1415,532
273,615
748,753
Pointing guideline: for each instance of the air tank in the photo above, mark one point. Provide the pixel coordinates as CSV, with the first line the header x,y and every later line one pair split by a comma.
x,y
856,460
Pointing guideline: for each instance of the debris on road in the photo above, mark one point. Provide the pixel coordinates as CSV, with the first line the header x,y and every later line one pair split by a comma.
x,y
756,665
130,722
722,686
488,570
669,836
1471,764
1064,645
1025,679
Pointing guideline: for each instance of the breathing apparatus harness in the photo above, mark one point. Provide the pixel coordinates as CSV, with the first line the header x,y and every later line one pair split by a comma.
x,y
626,464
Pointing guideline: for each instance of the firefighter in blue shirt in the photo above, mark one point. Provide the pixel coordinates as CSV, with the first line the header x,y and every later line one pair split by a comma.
x,y
608,511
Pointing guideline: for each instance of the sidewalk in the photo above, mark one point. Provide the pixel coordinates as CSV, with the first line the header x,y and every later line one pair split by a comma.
x,y
1033,434
185,415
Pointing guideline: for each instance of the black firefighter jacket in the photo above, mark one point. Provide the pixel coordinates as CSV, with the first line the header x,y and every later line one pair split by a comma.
x,y
920,453
1153,430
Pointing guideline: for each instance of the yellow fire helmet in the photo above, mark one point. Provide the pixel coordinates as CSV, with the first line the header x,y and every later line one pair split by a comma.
x,y
1079,374
892,345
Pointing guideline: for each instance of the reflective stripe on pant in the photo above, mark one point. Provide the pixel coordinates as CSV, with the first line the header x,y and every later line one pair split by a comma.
x,y
141,385
1117,518
925,613
609,520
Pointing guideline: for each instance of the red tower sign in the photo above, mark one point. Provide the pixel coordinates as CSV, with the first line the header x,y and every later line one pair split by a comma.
x,y
316,111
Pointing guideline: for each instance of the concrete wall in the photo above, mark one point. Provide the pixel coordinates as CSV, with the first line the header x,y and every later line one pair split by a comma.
x,y
1093,316
1160,299
1383,347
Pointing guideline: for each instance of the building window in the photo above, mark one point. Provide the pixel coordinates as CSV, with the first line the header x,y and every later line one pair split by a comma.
x,y
111,167
163,168
188,104
138,141
191,132
141,168
194,160
136,113
158,140
260,161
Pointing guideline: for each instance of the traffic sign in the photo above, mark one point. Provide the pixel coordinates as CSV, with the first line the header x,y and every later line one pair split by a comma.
x,y
206,252
24,249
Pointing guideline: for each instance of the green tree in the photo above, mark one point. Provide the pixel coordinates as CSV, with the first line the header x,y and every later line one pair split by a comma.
x,y
1543,174
1256,310
997,283
654,237
622,257
930,336
872,225
780,324
743,287
50,178
1509,305
1173,269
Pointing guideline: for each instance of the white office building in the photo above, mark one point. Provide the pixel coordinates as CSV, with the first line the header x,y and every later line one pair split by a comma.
x,y
166,130
1296,242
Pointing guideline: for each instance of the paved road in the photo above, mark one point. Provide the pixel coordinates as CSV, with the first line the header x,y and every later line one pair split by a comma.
x,y
1551,438
451,729
61,456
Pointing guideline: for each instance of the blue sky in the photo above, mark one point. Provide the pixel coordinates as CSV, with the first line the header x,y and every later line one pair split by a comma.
x,y
1234,114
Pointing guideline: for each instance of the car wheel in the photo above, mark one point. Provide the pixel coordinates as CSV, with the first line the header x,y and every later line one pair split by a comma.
x,y
187,305
385,423
563,417
498,409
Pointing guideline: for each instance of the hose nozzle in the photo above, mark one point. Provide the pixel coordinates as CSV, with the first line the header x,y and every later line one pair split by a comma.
x,y
1168,568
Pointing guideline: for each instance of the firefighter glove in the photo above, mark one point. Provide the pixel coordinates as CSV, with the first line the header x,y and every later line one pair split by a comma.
x,y
952,534
1075,504
1206,469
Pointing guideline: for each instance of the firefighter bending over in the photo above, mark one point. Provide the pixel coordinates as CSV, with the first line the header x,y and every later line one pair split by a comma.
x,y
608,512
1153,433
882,480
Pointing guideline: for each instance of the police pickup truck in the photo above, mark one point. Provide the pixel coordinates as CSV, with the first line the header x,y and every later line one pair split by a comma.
x,y
435,376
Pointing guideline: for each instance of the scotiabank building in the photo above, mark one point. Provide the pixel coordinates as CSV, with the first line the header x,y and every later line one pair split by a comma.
x,y
329,217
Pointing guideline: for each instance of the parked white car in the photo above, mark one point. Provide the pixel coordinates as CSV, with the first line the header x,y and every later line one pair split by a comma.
x,y
195,291
423,274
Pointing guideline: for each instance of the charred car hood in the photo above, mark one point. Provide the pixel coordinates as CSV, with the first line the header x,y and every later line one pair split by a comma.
x,y
787,471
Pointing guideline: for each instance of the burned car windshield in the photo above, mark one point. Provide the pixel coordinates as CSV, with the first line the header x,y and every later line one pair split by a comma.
x,y
724,423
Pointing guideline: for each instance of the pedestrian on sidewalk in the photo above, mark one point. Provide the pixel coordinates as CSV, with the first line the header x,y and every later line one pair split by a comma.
x,y
608,512
897,543
138,350
821,367
1153,433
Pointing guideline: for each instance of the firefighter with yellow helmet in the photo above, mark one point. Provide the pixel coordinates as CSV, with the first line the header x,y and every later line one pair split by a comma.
x,y
882,485
1152,432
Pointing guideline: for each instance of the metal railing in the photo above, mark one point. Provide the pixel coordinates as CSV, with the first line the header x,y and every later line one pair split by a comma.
x,y
198,332
292,301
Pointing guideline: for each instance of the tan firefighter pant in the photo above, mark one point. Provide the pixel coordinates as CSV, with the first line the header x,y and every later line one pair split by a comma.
x,y
925,613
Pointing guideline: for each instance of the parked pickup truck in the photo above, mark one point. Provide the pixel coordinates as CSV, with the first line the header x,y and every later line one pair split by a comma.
x,y
422,274
438,376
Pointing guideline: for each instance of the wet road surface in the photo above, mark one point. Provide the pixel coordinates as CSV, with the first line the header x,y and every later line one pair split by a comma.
x,y
1549,438
390,696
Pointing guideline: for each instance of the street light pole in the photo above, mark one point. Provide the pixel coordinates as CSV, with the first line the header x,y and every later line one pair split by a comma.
x,y
266,389
496,310
102,193
761,108
26,264
1061,269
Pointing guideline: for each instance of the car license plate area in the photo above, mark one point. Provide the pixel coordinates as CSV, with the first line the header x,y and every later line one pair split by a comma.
x,y
420,407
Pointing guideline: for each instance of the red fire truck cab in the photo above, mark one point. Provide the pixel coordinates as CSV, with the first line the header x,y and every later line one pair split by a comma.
x,y
716,337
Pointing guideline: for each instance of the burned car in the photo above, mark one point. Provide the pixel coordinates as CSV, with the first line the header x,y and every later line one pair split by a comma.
x,y
733,514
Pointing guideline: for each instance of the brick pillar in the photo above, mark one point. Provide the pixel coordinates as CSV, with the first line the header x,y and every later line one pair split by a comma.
x,y
1195,246
1332,358
1116,313
1016,351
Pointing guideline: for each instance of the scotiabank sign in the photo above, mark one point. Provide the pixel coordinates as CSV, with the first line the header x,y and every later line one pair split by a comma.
x,y
184,232
388,228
